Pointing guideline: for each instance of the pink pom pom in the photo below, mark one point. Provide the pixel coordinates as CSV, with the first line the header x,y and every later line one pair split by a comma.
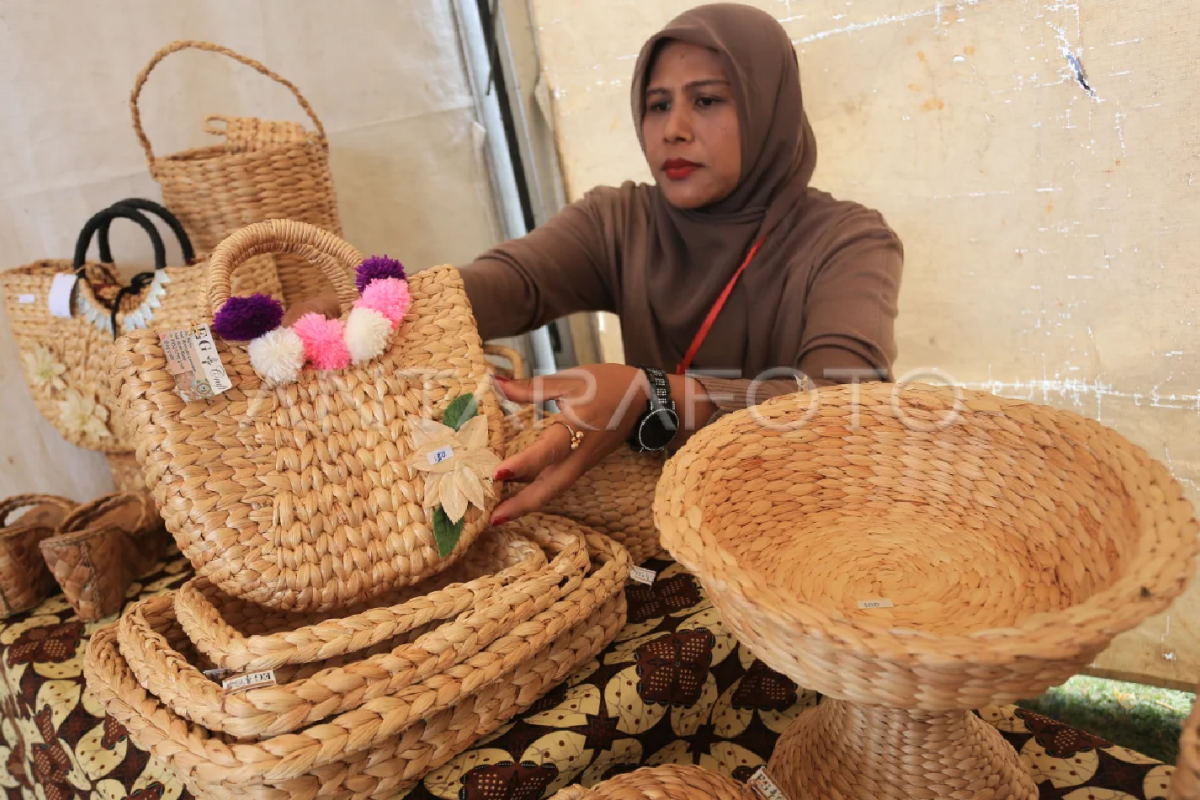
x,y
388,296
324,341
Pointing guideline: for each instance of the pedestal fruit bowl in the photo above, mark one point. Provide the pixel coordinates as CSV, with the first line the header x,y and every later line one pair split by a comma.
x,y
915,553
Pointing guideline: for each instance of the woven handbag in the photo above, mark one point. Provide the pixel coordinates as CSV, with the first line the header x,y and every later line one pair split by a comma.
x,y
340,483
1185,785
263,170
25,580
65,359
666,782
391,740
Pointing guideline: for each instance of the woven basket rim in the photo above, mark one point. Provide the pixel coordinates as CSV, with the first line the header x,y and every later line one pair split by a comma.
x,y
1119,607
235,156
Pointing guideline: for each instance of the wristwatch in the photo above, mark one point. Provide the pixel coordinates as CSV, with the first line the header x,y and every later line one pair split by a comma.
x,y
659,423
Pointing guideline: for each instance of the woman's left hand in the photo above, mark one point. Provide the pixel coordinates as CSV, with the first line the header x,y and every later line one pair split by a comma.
x,y
602,402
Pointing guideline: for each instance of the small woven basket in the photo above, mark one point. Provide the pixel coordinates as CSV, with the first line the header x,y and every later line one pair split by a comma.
x,y
667,782
101,548
413,655
615,497
25,580
263,170
914,553
1185,785
126,473
301,496
412,732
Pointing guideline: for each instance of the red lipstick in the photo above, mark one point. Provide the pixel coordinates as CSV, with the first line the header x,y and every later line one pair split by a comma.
x,y
678,169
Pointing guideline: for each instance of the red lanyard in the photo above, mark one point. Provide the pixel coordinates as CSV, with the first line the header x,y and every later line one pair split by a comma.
x,y
714,311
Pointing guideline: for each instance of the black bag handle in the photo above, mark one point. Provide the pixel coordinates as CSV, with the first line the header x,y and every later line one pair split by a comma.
x,y
142,204
139,281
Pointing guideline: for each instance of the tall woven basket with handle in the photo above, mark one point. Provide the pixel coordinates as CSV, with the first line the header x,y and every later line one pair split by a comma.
x,y
263,170
316,494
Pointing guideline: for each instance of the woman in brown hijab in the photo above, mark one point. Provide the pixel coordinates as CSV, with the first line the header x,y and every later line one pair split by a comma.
x,y
733,279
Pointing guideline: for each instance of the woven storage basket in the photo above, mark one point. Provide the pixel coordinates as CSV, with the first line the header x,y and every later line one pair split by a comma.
x,y
917,553
304,697
126,473
667,782
25,580
65,360
301,496
615,497
343,756
1185,785
264,170
101,548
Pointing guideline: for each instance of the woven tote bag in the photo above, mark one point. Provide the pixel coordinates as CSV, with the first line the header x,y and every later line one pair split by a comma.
x,y
263,170
64,359
340,483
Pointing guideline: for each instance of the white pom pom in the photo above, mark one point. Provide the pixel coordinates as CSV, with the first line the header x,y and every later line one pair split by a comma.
x,y
367,334
277,355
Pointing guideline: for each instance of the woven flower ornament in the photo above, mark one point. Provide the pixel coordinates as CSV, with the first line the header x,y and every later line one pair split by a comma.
x,y
278,353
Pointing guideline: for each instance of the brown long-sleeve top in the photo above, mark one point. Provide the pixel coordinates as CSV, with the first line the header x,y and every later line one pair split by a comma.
x,y
819,299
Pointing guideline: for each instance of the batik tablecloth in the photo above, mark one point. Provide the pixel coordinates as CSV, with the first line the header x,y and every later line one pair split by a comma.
x,y
675,687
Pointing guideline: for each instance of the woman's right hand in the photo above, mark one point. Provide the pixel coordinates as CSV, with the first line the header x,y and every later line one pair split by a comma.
x,y
326,305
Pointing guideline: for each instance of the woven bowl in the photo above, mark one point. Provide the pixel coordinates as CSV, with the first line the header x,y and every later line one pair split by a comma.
x,y
924,549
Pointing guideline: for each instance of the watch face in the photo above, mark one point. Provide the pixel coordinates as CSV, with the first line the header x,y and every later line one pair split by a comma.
x,y
658,429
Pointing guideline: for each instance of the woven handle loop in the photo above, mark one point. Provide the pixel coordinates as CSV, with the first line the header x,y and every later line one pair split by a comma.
x,y
17,502
336,257
86,514
175,47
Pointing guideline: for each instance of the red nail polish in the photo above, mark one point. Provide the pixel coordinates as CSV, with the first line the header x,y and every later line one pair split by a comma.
x,y
504,475
498,521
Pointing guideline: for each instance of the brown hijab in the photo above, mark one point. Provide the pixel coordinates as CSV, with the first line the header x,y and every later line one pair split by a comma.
x,y
821,291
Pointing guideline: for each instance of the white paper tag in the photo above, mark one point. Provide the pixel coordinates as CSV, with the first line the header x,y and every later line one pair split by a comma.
x,y
251,680
26,299
882,602
764,787
193,360
440,455
60,294
643,575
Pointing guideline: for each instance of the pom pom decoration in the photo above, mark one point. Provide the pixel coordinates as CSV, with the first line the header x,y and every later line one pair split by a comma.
x,y
244,318
388,296
277,355
324,341
377,268
367,334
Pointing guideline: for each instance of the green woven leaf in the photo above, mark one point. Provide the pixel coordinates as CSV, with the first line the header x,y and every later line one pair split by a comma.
x,y
446,532
461,409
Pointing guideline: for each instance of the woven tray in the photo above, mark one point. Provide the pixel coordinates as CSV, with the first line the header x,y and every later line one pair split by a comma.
x,y
303,698
342,758
25,580
1185,785
615,497
243,637
668,782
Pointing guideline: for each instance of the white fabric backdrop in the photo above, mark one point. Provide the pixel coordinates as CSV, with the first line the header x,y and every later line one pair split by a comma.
x,y
386,78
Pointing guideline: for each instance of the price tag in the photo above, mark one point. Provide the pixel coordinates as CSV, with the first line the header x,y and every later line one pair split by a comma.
x,y
252,680
879,603
26,299
643,575
60,294
193,361
764,787
440,455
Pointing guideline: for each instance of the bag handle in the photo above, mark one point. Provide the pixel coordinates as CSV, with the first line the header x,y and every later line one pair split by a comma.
x,y
88,513
175,47
17,502
139,281
336,257
141,204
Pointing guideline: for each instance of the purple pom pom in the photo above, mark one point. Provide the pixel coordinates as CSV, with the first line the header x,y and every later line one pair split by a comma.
x,y
376,267
244,318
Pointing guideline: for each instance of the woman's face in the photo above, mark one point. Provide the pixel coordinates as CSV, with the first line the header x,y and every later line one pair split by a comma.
x,y
693,142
